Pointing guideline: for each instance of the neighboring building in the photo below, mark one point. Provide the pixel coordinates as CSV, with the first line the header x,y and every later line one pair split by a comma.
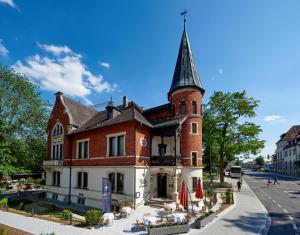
x,y
145,153
286,157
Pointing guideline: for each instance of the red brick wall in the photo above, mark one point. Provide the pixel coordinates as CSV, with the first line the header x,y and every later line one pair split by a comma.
x,y
189,142
142,131
59,115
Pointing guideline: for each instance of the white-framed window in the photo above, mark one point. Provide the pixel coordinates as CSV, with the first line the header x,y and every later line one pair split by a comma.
x,y
57,142
194,128
194,158
56,178
116,145
82,180
82,149
117,182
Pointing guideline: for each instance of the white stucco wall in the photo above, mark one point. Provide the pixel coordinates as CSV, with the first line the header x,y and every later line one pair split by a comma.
x,y
188,173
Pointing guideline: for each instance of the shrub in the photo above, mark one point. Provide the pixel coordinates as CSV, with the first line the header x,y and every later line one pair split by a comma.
x,y
3,230
92,217
51,208
21,206
66,214
228,196
4,203
41,181
15,203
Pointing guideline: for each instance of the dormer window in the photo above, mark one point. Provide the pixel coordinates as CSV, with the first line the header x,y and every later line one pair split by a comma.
x,y
182,108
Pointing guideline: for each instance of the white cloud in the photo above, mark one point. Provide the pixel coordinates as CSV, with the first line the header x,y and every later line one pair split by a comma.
x,y
104,64
272,118
55,50
9,2
63,70
3,50
220,71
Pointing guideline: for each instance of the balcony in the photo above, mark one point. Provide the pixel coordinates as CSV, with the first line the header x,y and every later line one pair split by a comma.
x,y
56,162
163,160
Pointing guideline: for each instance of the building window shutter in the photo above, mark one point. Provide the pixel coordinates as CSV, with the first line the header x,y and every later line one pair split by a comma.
x,y
79,177
121,145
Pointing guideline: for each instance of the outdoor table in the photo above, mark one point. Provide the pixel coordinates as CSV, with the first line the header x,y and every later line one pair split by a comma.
x,y
195,209
178,217
150,220
126,209
109,217
172,206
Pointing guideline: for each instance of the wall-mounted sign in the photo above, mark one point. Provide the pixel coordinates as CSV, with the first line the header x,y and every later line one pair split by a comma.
x,y
143,142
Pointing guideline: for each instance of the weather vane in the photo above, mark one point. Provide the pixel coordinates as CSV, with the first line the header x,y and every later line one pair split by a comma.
x,y
184,14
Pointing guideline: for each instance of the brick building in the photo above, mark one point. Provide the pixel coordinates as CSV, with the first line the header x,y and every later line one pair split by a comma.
x,y
145,153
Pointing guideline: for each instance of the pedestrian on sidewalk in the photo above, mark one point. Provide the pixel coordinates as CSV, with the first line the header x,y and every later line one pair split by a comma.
x,y
276,180
269,182
239,185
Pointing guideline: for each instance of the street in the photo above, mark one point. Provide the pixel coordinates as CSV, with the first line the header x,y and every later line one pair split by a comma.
x,y
281,200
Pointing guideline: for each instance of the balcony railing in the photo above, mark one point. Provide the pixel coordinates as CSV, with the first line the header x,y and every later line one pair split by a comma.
x,y
55,162
163,160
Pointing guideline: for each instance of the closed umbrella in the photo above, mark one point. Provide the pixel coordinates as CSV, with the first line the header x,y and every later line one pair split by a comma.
x,y
199,193
183,195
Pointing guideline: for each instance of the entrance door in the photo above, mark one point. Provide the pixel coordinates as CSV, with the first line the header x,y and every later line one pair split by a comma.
x,y
161,185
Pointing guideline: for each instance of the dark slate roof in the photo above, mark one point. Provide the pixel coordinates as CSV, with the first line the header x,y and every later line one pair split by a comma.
x,y
185,74
172,122
79,113
131,113
157,108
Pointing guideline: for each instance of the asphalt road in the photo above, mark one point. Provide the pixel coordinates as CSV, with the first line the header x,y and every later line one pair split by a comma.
x,y
282,201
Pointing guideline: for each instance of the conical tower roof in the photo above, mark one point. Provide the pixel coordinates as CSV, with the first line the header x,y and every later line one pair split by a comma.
x,y
185,74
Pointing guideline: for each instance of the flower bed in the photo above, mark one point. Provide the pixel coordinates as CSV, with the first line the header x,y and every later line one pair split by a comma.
x,y
165,229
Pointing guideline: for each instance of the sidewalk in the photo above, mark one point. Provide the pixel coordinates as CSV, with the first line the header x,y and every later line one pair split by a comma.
x,y
247,217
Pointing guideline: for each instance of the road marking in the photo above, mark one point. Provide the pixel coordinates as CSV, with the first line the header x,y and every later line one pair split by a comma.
x,y
284,210
295,227
291,218
274,201
279,205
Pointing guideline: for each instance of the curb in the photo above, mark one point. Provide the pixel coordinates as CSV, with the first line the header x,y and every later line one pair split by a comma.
x,y
265,228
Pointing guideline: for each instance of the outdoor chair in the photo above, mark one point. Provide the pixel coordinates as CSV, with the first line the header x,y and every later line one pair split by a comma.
x,y
123,214
102,222
140,226
147,214
117,215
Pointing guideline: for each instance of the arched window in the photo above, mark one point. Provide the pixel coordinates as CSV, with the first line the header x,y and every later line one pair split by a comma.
x,y
194,107
57,130
57,142
182,107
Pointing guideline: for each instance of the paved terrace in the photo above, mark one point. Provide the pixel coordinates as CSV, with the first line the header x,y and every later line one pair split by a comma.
x,y
247,217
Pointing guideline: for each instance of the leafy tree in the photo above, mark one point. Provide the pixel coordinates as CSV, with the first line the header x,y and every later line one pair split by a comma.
x,y
260,161
226,129
23,121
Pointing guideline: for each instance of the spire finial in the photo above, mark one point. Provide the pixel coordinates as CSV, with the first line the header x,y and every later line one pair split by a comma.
x,y
184,17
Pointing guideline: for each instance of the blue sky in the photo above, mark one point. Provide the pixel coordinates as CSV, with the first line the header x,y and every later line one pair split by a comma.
x,y
92,50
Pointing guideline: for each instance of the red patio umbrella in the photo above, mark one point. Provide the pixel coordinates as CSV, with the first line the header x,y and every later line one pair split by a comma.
x,y
199,193
183,195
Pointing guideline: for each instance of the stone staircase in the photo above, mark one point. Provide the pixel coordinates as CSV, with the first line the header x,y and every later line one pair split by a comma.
x,y
158,202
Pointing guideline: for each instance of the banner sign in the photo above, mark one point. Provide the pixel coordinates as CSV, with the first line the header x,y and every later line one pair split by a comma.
x,y
106,195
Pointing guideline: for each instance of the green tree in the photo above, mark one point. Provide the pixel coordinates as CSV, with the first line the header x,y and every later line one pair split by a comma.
x,y
260,161
226,129
23,122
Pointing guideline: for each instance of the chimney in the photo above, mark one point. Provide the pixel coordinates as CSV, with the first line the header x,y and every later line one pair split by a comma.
x,y
125,101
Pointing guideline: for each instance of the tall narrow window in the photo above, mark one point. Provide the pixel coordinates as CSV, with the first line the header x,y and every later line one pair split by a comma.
x,y
85,180
120,183
83,149
194,107
112,146
182,107
54,178
60,151
121,145
79,177
194,158
194,128
194,181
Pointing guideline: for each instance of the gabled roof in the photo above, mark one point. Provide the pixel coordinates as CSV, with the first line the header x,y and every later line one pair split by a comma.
x,y
80,113
185,74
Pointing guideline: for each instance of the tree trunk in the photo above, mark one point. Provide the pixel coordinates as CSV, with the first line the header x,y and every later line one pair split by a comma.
x,y
221,167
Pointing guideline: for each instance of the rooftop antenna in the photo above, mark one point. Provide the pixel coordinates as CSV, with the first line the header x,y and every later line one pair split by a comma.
x,y
107,103
184,13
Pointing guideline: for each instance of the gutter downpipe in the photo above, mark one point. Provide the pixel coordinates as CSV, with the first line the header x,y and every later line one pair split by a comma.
x,y
70,179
